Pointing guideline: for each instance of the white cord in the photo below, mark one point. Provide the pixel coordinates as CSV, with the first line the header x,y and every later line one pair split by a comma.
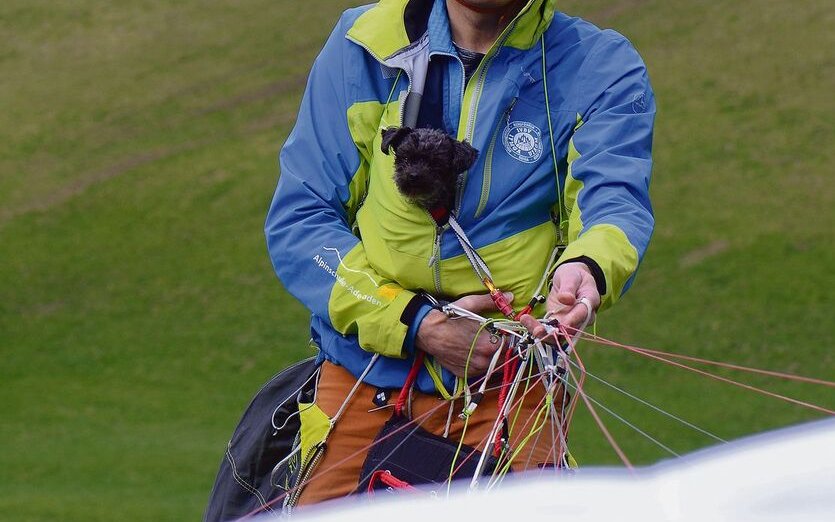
x,y
586,321
492,367
354,389
589,311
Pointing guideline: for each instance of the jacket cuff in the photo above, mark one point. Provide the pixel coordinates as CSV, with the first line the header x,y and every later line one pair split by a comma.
x,y
414,313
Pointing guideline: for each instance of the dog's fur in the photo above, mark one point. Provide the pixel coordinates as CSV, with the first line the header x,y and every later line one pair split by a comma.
x,y
428,164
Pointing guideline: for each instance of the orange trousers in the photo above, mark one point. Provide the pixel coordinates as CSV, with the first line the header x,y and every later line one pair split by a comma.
x,y
338,472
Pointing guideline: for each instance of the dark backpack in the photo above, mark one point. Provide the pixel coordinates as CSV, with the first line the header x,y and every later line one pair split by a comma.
x,y
258,468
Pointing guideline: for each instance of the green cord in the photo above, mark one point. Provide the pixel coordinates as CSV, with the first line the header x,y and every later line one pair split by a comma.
x,y
536,429
391,93
551,137
439,383
519,409
466,417
457,452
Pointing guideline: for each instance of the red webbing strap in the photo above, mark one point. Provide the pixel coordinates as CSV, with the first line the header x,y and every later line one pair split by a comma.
x,y
410,381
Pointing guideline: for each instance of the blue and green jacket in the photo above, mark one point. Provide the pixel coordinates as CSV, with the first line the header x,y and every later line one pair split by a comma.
x,y
561,113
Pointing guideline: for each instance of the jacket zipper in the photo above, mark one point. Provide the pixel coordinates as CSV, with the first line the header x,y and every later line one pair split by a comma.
x,y
435,260
487,175
473,109
305,475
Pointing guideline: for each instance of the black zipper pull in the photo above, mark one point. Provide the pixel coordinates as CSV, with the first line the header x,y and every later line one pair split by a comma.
x,y
509,109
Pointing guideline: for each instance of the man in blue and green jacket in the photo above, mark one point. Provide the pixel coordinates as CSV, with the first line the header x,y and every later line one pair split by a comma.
x,y
561,113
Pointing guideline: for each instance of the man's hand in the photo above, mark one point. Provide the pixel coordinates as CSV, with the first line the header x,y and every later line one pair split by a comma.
x,y
572,281
449,339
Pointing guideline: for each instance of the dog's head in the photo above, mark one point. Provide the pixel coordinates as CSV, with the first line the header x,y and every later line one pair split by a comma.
x,y
428,164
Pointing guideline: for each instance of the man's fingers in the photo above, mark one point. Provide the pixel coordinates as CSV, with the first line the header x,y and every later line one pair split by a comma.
x,y
473,302
566,285
575,317
588,289
572,281
478,365
538,329
481,302
566,298
480,358
568,281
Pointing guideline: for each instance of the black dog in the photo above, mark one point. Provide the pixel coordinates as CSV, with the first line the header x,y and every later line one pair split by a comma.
x,y
428,164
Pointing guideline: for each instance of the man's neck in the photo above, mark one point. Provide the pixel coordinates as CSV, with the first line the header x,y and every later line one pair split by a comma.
x,y
476,28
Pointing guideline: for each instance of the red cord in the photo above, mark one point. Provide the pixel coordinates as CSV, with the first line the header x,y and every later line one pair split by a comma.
x,y
410,381
524,311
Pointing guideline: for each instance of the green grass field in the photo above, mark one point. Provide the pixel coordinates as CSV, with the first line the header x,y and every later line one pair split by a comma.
x,y
138,308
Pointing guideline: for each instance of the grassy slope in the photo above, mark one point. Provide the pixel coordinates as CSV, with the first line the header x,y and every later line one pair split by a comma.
x,y
138,310
740,268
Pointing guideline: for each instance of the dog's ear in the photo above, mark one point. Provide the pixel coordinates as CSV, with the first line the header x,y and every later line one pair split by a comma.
x,y
464,155
393,137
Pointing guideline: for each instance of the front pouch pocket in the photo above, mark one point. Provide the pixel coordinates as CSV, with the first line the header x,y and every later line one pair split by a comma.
x,y
417,457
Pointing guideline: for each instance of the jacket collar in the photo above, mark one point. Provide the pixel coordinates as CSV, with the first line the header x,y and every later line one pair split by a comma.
x,y
393,26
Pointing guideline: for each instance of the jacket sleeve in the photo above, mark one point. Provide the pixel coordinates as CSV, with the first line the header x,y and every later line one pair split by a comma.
x,y
610,218
308,228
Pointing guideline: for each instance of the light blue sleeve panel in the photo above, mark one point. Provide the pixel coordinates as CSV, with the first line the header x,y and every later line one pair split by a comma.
x,y
610,160
309,237
307,223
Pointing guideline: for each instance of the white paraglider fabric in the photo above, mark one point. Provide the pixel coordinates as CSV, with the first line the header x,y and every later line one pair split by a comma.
x,y
786,475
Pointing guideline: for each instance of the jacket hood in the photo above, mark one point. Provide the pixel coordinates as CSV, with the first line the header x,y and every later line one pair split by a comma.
x,y
393,25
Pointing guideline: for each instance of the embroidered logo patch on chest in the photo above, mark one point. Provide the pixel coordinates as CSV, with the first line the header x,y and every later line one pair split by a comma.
x,y
523,141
